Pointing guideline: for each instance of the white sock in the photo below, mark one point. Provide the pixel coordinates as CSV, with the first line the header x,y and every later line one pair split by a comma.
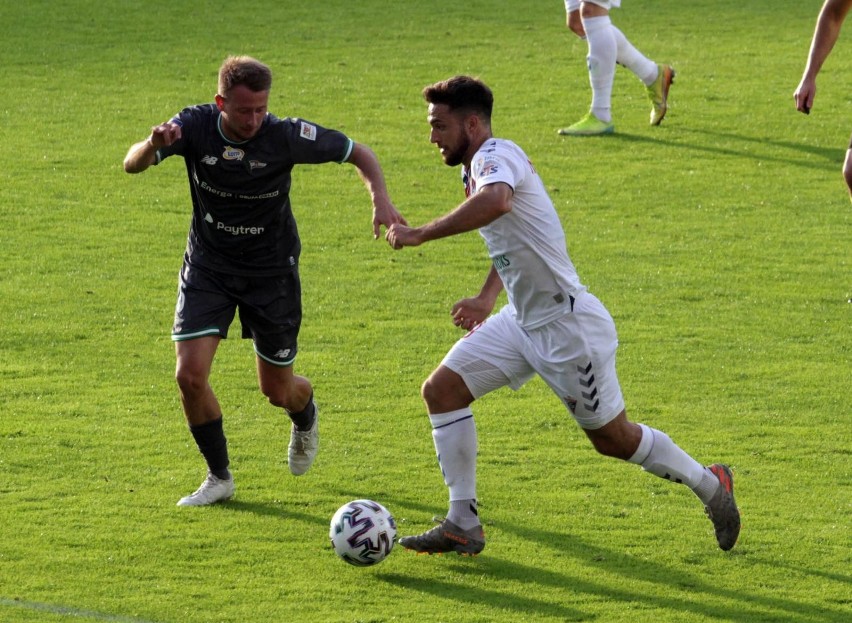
x,y
644,68
601,58
464,513
658,454
454,434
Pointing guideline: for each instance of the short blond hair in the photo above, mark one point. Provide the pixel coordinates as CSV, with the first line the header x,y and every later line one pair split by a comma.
x,y
244,70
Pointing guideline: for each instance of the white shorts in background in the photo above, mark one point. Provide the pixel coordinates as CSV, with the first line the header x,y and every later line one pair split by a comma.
x,y
574,5
574,355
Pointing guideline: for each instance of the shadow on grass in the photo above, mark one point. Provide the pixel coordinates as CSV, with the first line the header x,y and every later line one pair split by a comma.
x,y
465,593
278,510
705,598
831,155
817,573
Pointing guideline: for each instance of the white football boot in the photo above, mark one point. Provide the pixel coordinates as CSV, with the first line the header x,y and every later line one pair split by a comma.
x,y
303,446
212,490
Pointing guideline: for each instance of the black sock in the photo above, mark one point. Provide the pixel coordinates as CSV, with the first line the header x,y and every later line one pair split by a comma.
x,y
211,441
304,419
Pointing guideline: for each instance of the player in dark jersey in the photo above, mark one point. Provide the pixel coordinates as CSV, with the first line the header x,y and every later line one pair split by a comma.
x,y
242,252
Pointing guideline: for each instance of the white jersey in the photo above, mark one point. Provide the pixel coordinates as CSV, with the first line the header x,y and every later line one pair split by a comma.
x,y
526,245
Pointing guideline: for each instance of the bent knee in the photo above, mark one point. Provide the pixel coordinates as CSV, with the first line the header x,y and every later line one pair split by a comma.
x,y
190,382
445,391
288,396
430,390
618,438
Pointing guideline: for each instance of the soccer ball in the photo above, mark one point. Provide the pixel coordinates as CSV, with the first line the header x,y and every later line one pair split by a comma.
x,y
362,532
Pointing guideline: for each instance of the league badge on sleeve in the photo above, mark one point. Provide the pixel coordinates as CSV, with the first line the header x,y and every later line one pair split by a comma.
x,y
308,131
487,166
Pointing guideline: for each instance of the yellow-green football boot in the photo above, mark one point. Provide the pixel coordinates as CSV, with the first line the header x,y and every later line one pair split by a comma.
x,y
588,126
658,93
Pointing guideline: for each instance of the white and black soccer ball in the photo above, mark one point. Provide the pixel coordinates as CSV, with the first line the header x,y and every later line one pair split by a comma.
x,y
362,532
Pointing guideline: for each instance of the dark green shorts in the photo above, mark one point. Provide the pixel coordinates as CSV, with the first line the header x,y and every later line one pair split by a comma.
x,y
270,310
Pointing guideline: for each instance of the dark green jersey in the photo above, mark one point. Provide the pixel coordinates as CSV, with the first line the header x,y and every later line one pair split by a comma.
x,y
242,222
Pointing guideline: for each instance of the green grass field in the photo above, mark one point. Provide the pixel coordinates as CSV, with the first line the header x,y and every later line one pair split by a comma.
x,y
720,242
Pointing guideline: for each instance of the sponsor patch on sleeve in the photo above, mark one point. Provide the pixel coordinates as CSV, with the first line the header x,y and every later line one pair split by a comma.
x,y
308,131
489,165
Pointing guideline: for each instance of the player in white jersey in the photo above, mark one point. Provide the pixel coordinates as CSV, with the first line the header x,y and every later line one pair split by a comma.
x,y
589,20
551,326
527,245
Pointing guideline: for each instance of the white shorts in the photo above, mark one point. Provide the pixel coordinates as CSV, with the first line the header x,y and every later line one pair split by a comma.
x,y
574,5
574,355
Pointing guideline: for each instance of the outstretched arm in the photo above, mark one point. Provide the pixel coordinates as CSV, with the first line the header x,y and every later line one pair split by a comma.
x,y
489,204
828,25
370,171
142,155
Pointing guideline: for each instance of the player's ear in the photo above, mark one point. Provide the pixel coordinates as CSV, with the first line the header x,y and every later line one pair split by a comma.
x,y
477,122
471,122
220,102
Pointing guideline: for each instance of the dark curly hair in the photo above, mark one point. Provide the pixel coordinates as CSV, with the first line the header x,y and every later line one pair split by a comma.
x,y
462,93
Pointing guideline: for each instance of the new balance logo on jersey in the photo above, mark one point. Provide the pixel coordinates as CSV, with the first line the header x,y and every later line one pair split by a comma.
x,y
283,353
211,160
